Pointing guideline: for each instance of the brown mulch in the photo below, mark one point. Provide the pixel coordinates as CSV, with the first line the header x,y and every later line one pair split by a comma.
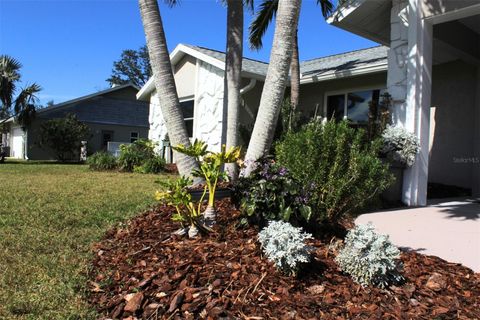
x,y
140,271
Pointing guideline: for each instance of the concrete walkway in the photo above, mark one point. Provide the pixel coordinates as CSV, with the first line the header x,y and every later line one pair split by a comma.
x,y
449,229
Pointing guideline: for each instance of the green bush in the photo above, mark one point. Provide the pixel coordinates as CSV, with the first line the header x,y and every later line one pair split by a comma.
x,y
64,136
101,161
334,160
152,165
135,154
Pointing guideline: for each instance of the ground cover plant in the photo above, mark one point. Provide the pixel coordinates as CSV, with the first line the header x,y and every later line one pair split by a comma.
x,y
49,216
142,270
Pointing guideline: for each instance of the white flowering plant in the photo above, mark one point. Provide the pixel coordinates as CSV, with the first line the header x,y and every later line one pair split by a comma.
x,y
400,145
370,258
284,245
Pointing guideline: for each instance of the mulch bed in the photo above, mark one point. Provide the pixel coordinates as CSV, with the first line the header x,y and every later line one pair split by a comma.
x,y
140,271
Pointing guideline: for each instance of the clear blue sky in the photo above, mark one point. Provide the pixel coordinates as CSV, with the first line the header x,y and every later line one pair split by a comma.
x,y
68,46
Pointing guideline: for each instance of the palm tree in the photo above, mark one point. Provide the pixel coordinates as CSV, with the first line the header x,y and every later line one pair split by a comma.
x,y
233,70
259,26
21,107
165,83
275,81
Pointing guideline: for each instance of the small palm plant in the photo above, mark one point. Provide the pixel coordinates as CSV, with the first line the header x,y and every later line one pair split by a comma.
x,y
210,169
186,212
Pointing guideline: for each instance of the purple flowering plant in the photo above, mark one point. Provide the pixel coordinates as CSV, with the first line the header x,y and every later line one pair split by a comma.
x,y
271,193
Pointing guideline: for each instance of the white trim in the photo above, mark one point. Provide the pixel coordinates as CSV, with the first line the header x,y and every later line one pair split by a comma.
x,y
346,74
344,10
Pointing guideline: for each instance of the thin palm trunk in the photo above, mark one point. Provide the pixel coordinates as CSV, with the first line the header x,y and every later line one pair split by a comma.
x,y
165,83
275,82
295,75
233,70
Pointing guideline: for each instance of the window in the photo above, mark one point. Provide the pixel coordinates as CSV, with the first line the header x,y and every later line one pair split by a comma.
x,y
353,105
107,136
133,137
188,112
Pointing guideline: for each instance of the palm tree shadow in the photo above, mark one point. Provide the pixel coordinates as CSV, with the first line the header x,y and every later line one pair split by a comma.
x,y
465,210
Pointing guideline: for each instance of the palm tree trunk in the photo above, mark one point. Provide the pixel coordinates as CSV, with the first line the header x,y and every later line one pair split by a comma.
x,y
275,82
295,75
165,83
233,70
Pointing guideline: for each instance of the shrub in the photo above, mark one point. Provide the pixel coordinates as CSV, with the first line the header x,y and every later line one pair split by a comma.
x,y
370,258
100,161
400,145
64,136
135,154
152,165
284,245
270,193
342,169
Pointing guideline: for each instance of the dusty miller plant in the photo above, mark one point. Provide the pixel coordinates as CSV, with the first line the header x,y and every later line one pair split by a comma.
x,y
370,258
284,245
400,145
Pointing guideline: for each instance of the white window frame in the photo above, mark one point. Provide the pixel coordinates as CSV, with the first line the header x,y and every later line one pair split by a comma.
x,y
345,93
190,98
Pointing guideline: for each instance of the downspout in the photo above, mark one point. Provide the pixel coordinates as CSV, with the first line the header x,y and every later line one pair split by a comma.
x,y
25,143
246,89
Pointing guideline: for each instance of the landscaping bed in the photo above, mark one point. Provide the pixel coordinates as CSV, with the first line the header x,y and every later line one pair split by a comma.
x,y
141,271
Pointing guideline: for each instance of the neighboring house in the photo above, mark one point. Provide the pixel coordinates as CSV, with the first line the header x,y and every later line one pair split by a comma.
x,y
113,115
435,89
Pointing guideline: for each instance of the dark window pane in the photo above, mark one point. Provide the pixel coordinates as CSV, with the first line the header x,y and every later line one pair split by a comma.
x,y
335,107
187,108
189,124
358,106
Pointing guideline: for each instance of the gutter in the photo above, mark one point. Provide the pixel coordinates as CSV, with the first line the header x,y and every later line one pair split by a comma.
x,y
249,86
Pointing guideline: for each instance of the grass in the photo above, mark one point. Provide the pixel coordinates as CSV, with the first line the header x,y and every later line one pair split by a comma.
x,y
50,214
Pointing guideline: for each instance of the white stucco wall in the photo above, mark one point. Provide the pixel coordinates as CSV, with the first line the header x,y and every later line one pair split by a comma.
x,y
158,130
209,105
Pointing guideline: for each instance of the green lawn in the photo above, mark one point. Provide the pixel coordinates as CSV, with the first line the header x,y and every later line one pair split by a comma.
x,y
50,214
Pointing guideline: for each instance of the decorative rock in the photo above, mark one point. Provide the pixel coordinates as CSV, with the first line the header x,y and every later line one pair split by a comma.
x,y
316,289
436,282
134,302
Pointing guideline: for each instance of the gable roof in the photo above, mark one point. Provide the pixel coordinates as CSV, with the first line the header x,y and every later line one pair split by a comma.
x,y
341,65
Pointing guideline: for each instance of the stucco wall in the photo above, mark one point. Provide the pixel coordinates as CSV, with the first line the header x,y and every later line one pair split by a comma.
x,y
184,73
120,134
452,124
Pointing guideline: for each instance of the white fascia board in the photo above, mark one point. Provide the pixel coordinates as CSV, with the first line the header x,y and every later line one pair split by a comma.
x,y
344,10
346,74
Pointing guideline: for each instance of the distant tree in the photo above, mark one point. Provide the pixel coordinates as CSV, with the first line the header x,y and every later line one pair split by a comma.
x,y
133,67
22,107
50,103
64,136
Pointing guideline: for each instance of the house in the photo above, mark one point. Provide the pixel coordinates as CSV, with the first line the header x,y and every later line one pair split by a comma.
x,y
434,79
428,61
113,115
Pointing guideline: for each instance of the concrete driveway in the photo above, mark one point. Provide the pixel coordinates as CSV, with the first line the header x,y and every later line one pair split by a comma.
x,y
449,229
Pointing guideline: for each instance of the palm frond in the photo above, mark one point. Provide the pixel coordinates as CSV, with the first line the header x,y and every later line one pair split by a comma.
x,y
249,4
258,27
326,6
28,96
172,3
9,75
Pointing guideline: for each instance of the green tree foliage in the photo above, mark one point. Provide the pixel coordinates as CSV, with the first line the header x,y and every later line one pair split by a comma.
x,y
64,136
333,159
133,67
22,106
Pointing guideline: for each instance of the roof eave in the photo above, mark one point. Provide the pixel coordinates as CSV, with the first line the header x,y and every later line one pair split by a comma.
x,y
346,74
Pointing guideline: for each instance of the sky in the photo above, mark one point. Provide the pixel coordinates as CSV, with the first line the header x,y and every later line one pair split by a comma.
x,y
69,46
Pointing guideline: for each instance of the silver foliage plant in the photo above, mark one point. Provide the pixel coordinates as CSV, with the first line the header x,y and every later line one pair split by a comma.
x,y
284,245
400,145
370,258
